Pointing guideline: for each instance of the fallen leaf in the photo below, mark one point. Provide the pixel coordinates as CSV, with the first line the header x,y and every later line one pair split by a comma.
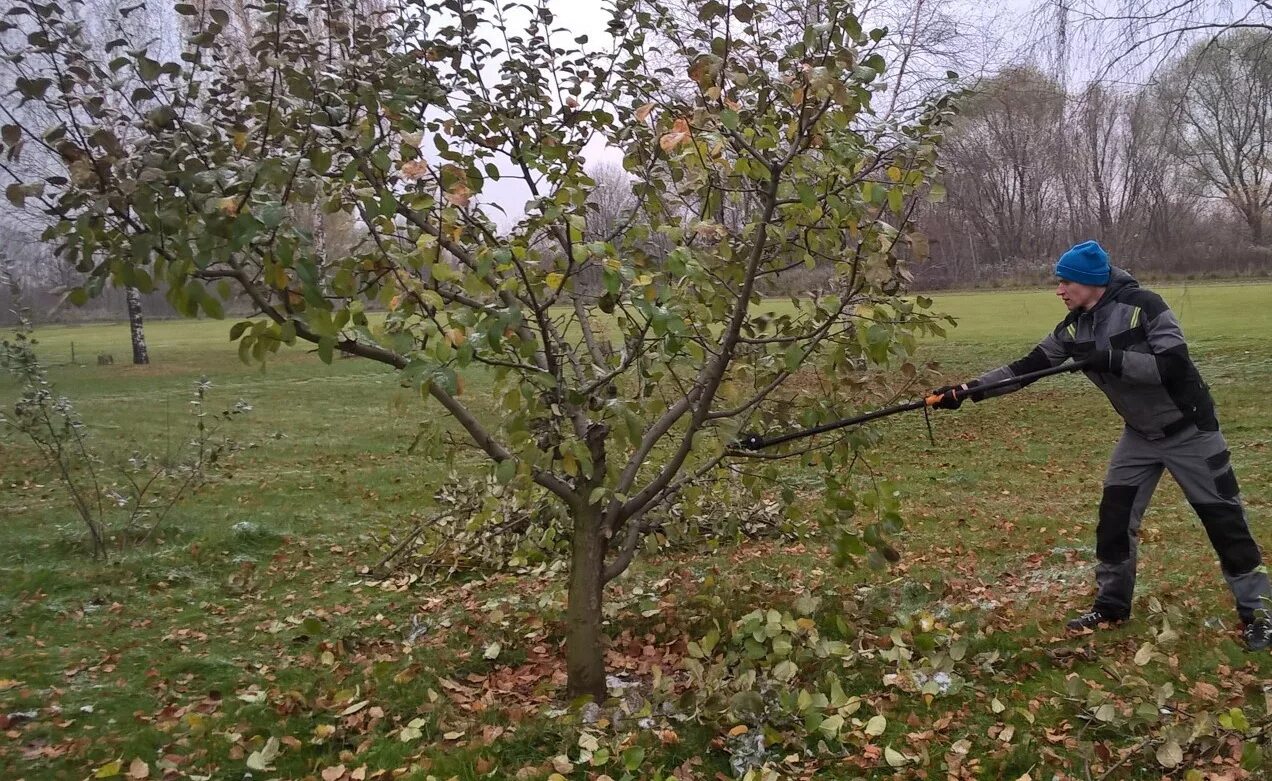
x,y
1169,754
109,770
138,769
876,726
893,757
333,773
260,760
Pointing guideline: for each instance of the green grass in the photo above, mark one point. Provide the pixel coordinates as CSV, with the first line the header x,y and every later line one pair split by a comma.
x,y
160,652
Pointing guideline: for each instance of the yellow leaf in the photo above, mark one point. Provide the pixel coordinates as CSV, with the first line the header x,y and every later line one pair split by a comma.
x,y
456,735
240,140
228,205
354,708
876,726
456,336
8,683
109,769
997,706
556,280
644,111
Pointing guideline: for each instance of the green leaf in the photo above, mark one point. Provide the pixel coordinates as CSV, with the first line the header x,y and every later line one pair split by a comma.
x,y
896,200
325,347
633,758
505,470
831,726
212,306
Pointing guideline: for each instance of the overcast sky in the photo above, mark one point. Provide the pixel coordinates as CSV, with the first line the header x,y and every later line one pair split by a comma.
x,y
979,39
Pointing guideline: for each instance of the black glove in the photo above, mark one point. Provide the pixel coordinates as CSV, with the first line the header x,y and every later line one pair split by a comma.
x,y
1105,361
952,396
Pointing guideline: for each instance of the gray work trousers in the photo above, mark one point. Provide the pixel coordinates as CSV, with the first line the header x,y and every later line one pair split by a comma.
x,y
1199,462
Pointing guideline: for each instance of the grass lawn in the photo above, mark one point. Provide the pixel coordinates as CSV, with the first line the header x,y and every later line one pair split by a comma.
x,y
229,642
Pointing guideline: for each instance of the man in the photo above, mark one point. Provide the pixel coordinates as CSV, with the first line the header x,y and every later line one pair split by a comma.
x,y
1135,352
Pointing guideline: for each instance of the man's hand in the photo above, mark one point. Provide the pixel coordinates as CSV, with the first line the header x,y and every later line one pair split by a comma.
x,y
952,395
1105,361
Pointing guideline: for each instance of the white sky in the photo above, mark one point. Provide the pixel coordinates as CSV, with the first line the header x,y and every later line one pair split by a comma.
x,y
985,38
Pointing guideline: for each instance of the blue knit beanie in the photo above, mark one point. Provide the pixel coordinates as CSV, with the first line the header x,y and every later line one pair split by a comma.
x,y
1087,263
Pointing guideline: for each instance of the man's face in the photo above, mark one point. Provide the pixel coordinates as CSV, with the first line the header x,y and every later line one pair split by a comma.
x,y
1076,295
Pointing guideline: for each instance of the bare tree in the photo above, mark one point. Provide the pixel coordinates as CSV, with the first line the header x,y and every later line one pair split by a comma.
x,y
1003,158
1221,96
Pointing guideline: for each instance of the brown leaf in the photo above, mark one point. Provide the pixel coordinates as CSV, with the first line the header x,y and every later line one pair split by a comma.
x,y
644,111
414,169
459,194
138,769
333,773
679,134
1205,691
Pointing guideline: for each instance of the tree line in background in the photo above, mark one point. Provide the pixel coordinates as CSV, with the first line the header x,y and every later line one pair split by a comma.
x,y
1174,177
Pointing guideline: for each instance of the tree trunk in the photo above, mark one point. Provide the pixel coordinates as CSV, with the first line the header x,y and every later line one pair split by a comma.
x,y
140,353
1254,217
584,652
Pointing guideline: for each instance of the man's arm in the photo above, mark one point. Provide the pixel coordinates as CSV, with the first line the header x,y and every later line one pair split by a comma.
x,y
1049,352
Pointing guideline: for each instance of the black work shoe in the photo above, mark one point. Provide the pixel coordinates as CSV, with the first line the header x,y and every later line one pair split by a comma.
x,y
1093,619
1258,634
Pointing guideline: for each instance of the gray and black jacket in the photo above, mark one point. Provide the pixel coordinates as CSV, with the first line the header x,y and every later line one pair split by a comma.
x,y
1154,385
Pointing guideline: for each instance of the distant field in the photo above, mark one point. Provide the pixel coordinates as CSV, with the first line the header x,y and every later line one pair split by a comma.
x,y
1001,510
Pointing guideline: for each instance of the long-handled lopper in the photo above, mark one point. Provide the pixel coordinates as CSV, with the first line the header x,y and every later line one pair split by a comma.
x,y
757,442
